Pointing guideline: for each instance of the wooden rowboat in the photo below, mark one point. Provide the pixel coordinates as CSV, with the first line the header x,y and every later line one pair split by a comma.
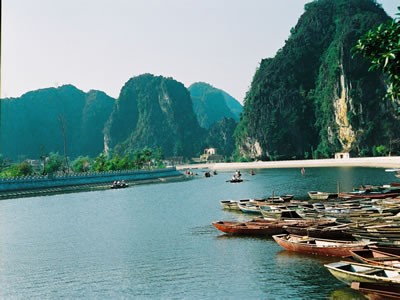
x,y
331,231
233,204
249,208
387,249
305,244
273,212
261,228
375,257
317,195
348,272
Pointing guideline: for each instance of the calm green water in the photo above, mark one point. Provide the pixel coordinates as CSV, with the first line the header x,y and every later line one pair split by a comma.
x,y
156,241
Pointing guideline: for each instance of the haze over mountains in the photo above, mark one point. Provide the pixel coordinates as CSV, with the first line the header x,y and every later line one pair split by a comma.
x,y
311,100
151,111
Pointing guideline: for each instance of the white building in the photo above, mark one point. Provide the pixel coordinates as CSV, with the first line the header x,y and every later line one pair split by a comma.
x,y
342,155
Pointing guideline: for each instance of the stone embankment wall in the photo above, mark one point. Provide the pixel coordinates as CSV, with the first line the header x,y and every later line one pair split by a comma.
x,y
41,182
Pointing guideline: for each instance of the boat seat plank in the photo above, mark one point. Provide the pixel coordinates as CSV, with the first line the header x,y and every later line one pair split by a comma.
x,y
385,259
369,272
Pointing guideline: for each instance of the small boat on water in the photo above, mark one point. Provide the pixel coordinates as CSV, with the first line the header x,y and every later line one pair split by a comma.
x,y
375,257
348,272
387,249
377,291
119,184
317,195
235,180
233,204
274,212
281,198
287,197
329,230
309,245
256,227
260,226
249,208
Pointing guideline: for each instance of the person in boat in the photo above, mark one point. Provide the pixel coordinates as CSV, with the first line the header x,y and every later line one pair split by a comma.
x,y
237,174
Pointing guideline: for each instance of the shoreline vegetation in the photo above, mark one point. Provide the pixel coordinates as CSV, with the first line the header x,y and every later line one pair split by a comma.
x,y
373,162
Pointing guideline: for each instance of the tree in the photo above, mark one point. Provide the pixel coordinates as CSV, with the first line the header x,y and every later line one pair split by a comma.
x,y
99,163
53,164
16,170
382,47
81,164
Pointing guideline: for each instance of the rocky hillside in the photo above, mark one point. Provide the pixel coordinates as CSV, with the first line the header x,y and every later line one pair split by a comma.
x,y
313,98
156,112
54,120
212,105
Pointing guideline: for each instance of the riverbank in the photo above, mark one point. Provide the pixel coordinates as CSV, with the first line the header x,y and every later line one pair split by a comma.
x,y
373,162
44,185
81,188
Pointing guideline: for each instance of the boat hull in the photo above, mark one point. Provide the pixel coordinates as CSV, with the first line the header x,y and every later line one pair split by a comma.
x,y
348,272
333,234
250,228
375,257
317,246
315,195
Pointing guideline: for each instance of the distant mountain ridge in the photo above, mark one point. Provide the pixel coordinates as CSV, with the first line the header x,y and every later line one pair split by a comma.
x,y
212,105
151,111
39,122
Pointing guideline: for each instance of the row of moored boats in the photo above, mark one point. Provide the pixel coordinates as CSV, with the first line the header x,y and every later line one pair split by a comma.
x,y
363,231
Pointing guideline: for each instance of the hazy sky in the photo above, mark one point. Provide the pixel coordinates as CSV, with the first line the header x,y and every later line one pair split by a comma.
x,y
100,44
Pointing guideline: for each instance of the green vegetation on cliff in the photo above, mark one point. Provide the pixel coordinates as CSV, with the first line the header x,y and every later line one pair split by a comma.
x,y
381,46
63,119
313,99
221,137
156,112
212,105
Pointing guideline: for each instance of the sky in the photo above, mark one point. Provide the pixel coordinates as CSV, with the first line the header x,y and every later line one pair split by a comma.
x,y
101,44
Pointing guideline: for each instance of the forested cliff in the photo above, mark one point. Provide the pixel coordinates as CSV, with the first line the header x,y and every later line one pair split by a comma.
x,y
157,112
151,111
63,119
313,98
212,105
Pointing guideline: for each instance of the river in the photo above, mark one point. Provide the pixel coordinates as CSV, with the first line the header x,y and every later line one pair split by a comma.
x,y
156,241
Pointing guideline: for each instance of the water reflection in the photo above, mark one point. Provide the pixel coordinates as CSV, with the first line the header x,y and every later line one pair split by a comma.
x,y
346,293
